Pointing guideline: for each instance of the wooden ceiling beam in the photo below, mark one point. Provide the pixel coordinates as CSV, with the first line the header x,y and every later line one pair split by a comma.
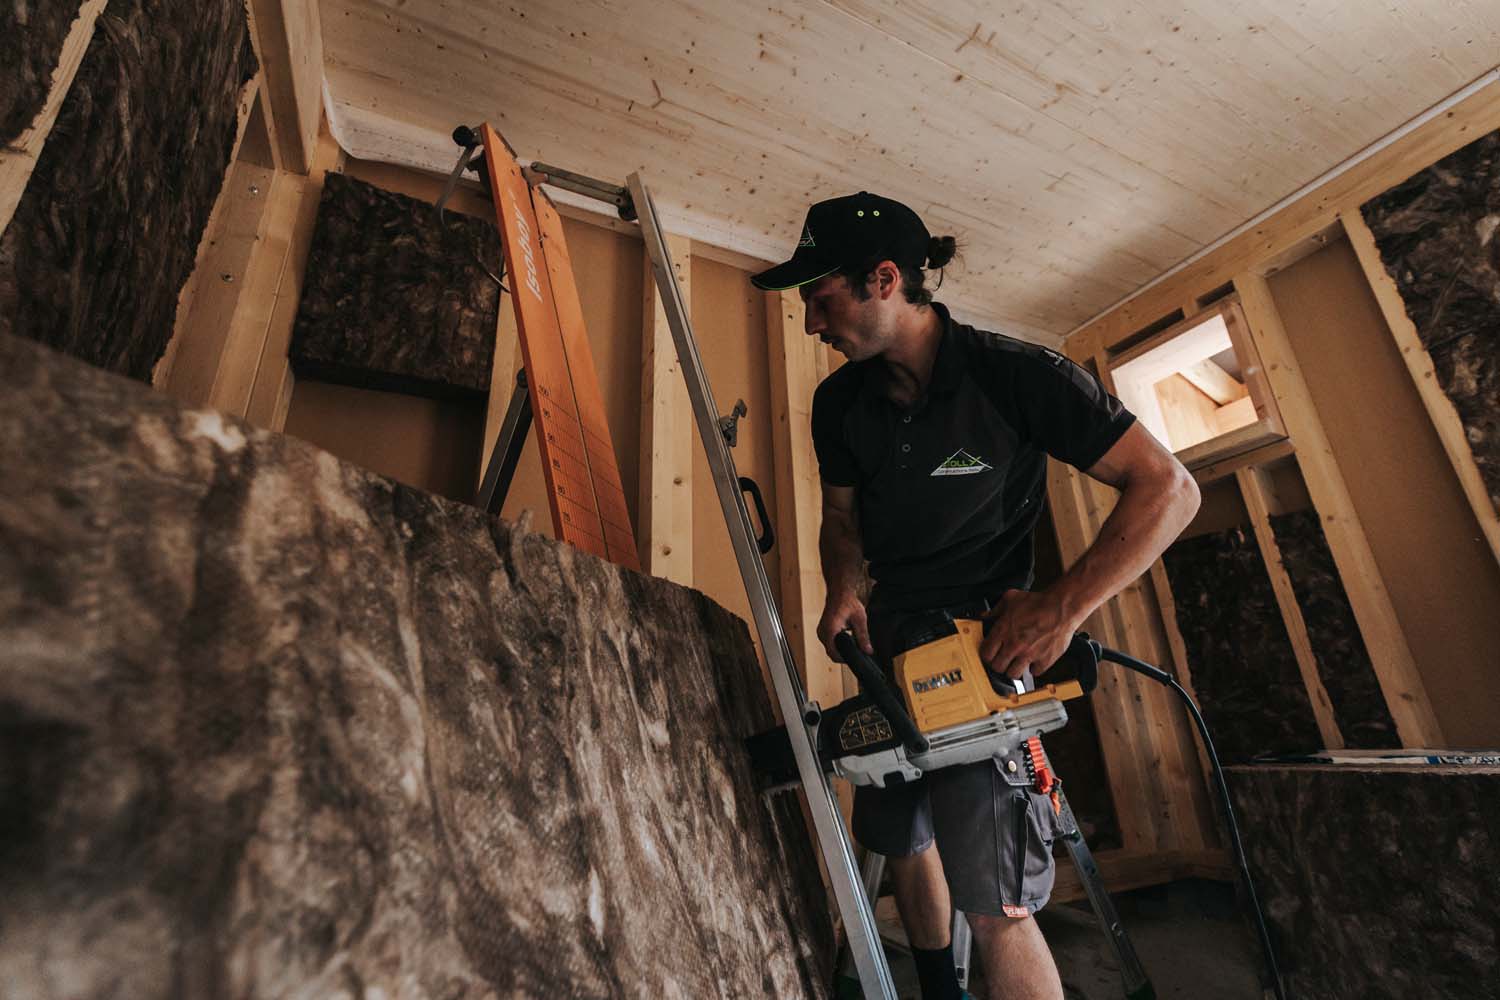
x,y
288,38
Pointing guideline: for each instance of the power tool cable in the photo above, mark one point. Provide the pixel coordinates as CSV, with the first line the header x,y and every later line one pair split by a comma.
x,y
1162,677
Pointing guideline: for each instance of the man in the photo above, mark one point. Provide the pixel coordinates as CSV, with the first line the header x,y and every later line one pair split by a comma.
x,y
932,446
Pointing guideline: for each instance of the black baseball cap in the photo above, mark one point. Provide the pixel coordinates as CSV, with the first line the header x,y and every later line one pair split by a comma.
x,y
847,232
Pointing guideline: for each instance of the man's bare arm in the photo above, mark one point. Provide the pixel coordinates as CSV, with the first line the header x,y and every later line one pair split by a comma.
x,y
843,569
1157,500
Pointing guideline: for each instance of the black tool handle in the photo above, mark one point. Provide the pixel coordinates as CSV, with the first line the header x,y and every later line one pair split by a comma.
x,y
872,682
766,540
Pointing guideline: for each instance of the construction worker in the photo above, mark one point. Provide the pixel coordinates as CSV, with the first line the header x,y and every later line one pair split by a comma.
x,y
932,444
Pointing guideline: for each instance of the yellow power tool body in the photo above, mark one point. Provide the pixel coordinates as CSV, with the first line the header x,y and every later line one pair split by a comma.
x,y
944,683
948,711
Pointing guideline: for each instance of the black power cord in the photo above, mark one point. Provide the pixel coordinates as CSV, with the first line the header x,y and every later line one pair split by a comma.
x,y
1162,677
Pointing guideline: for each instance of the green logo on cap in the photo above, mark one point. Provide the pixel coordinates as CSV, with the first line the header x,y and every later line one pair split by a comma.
x,y
807,240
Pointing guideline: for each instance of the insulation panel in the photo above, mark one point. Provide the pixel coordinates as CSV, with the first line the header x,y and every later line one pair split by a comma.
x,y
108,228
1243,668
1378,882
271,725
394,299
1438,234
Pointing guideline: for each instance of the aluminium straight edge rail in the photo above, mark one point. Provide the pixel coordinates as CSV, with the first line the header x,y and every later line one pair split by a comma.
x,y
838,852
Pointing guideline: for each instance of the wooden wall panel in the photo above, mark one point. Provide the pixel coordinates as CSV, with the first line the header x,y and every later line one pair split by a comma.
x,y
431,444
1432,556
110,223
729,320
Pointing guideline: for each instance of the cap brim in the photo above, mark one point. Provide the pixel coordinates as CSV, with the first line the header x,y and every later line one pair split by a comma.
x,y
793,274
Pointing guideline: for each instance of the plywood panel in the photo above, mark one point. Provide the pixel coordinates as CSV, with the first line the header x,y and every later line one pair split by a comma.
x,y
1303,223
430,444
729,321
1437,568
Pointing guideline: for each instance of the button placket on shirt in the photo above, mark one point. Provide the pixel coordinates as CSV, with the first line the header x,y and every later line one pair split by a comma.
x,y
903,446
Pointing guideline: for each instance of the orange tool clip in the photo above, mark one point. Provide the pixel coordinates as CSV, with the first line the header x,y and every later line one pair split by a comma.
x,y
1046,782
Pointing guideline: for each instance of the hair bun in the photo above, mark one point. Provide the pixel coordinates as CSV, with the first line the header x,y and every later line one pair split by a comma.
x,y
940,250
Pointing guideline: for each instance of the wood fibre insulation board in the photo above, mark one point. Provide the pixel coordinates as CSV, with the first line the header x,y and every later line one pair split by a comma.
x,y
1438,233
393,299
1378,882
306,731
108,228
1434,561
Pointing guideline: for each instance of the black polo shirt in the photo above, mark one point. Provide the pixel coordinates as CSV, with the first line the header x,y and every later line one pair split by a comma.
x,y
950,490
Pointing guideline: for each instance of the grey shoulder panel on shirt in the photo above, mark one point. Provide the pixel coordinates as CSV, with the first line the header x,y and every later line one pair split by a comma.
x,y
997,349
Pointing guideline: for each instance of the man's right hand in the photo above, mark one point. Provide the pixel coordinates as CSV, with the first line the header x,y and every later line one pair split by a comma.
x,y
844,611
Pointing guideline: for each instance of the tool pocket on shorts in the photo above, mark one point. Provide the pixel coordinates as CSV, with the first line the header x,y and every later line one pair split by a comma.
x,y
1034,828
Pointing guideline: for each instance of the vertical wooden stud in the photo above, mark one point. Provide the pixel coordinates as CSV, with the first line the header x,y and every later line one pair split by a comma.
x,y
665,515
1394,665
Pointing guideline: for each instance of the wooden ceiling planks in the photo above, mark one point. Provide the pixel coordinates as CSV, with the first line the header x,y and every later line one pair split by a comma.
x,y
1078,151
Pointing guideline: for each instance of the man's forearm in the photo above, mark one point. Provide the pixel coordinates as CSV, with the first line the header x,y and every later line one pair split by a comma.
x,y
842,557
1149,517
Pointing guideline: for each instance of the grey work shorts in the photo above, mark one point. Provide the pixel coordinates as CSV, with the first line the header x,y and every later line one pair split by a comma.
x,y
993,831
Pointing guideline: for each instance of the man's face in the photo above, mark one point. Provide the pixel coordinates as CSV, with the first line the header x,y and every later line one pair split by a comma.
x,y
853,326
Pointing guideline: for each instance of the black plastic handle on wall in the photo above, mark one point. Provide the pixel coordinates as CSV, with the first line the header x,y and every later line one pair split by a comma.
x,y
766,540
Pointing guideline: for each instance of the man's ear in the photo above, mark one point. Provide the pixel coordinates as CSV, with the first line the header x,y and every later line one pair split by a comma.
x,y
887,279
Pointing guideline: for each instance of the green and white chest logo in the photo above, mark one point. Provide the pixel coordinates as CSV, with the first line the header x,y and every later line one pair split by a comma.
x,y
961,463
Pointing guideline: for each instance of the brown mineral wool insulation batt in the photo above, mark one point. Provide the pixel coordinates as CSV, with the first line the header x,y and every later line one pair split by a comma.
x,y
31,41
1378,882
1344,664
1439,238
274,726
394,300
106,232
1242,664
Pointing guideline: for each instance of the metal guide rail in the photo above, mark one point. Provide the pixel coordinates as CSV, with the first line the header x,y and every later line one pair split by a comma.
x,y
833,840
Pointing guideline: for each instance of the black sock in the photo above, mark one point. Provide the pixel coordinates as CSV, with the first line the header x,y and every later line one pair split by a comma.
x,y
936,973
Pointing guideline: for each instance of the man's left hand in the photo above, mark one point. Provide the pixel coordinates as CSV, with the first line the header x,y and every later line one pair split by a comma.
x,y
1029,630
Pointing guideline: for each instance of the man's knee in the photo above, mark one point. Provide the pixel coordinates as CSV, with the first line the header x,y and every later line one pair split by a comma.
x,y
986,923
